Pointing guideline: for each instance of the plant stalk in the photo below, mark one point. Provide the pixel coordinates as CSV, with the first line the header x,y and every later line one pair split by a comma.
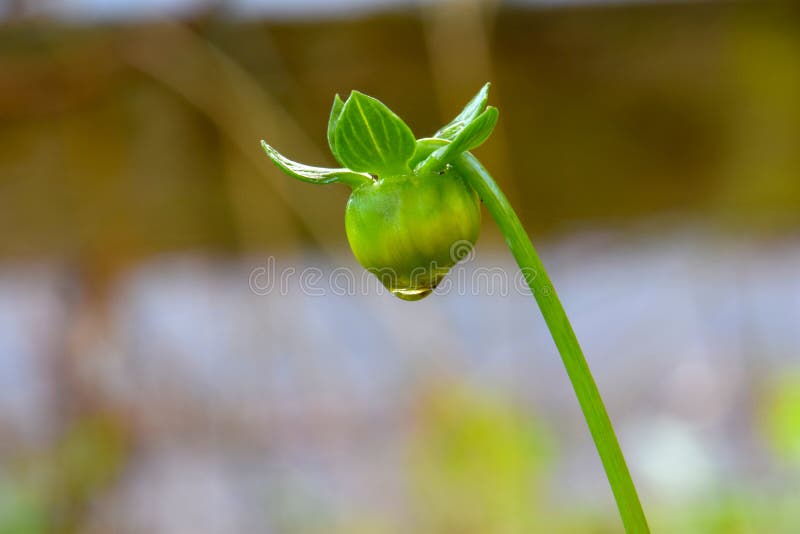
x,y
580,375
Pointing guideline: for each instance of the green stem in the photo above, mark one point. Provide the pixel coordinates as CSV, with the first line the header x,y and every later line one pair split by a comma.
x,y
556,318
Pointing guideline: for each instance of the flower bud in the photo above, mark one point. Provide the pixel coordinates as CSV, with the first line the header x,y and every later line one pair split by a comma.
x,y
411,216
410,230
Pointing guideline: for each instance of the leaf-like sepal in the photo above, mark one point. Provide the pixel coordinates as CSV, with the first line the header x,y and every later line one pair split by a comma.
x,y
370,138
471,136
317,175
474,107
336,111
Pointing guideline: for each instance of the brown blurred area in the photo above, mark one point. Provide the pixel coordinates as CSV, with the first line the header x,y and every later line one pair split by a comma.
x,y
653,148
128,139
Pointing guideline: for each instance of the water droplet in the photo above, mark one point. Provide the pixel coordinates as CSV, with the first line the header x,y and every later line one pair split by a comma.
x,y
411,293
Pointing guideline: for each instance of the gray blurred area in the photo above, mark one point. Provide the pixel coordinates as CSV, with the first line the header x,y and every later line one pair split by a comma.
x,y
156,375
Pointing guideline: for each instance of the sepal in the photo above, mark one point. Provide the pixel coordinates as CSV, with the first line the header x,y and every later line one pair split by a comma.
x,y
336,112
370,138
316,175
471,136
471,111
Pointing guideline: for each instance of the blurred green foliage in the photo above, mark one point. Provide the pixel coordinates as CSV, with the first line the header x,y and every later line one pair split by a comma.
x,y
51,490
781,414
478,465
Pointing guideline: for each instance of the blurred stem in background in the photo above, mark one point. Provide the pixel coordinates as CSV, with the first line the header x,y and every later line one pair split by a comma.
x,y
462,28
233,101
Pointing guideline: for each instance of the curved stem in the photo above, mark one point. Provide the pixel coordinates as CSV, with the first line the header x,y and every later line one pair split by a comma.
x,y
556,318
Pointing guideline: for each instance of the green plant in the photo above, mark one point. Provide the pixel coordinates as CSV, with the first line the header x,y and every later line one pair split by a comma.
x,y
478,463
414,200
781,417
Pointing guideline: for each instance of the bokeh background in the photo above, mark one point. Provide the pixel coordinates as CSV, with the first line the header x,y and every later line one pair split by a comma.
x,y
651,148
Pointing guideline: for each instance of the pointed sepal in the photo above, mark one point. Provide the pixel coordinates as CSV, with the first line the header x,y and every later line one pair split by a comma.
x,y
316,175
336,112
474,107
471,136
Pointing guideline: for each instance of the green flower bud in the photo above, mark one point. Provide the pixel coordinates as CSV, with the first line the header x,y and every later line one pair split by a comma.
x,y
410,230
411,216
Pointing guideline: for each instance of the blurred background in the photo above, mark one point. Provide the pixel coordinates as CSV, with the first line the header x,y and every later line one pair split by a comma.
x,y
146,385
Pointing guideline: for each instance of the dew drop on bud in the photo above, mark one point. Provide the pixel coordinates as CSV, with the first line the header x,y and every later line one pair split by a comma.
x,y
411,293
